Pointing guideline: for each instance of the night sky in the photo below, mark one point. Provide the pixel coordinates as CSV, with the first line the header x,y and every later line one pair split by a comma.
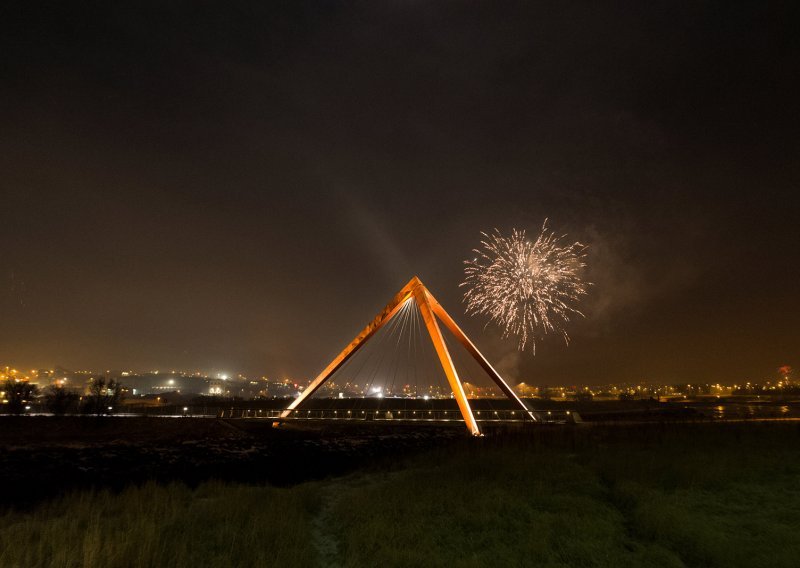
x,y
240,187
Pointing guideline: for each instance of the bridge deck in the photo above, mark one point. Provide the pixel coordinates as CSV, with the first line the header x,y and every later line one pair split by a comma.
x,y
402,415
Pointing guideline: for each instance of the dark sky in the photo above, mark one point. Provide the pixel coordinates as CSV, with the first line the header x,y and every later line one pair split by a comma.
x,y
240,186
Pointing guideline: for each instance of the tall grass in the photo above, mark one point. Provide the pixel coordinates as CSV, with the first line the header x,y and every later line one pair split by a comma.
x,y
156,525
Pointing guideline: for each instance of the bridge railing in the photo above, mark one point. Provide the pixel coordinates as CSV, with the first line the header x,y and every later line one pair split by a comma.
x,y
398,415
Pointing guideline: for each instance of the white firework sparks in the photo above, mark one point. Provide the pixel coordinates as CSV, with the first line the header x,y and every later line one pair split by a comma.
x,y
526,287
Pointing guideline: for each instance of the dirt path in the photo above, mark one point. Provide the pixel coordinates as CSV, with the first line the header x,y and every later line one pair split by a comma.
x,y
323,535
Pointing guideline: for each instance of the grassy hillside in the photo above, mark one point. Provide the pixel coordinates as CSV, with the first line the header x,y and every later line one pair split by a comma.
x,y
680,495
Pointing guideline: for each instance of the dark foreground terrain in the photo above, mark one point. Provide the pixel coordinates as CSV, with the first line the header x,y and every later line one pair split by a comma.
x,y
194,492
45,456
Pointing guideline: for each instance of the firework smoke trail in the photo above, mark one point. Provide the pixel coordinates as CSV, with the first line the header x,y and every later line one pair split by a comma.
x,y
525,287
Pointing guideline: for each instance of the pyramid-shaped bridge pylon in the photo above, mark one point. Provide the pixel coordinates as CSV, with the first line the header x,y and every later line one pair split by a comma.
x,y
430,310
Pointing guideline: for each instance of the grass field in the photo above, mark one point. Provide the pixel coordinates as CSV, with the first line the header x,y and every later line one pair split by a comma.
x,y
661,495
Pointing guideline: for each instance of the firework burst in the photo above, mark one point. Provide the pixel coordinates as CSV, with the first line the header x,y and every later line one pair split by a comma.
x,y
527,288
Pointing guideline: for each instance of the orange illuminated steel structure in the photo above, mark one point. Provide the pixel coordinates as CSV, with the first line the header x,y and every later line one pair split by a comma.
x,y
430,309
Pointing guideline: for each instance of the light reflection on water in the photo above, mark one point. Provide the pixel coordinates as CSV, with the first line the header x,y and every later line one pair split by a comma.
x,y
732,410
